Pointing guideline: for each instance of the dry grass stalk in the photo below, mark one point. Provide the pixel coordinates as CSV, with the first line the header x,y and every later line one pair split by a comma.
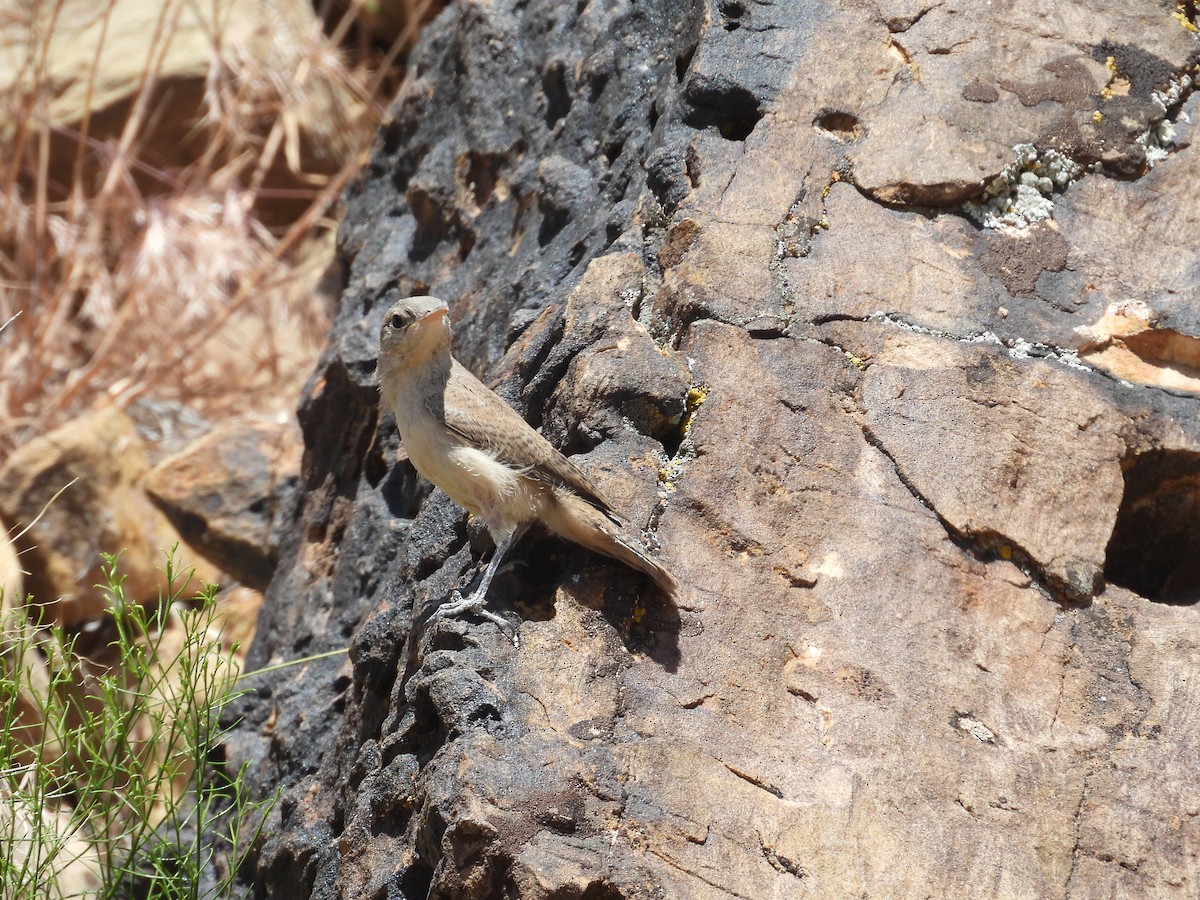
x,y
186,284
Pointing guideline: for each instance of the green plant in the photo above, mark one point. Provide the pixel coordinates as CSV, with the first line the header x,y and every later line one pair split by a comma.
x,y
106,783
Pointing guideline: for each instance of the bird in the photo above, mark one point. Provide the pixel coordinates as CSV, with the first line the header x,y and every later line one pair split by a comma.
x,y
466,440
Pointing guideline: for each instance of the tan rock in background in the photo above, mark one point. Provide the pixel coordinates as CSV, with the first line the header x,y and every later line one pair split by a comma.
x,y
62,855
223,494
103,511
12,576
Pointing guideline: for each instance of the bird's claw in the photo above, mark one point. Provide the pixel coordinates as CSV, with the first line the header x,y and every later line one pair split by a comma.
x,y
457,604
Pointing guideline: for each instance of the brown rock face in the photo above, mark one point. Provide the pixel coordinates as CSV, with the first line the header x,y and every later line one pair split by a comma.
x,y
1026,453
936,634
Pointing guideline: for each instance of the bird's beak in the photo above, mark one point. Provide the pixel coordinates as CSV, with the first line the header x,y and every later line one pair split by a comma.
x,y
438,313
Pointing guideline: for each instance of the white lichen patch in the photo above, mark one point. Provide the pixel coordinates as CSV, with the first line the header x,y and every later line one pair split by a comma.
x,y
1022,193
1159,138
1176,88
1017,347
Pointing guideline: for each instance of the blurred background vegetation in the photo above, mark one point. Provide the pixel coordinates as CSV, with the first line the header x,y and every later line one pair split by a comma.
x,y
169,182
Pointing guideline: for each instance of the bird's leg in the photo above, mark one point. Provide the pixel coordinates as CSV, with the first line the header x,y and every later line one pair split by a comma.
x,y
475,602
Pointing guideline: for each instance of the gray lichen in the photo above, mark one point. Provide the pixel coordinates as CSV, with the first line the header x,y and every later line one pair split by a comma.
x,y
1022,193
1160,136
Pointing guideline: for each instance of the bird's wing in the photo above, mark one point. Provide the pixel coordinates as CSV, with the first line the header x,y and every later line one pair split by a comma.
x,y
479,416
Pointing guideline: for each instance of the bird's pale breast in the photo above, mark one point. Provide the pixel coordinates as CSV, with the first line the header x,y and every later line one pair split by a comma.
x,y
473,478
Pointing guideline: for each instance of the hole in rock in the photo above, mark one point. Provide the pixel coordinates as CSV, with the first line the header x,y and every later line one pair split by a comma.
x,y
553,222
672,441
597,82
416,879
558,97
739,129
838,126
733,109
683,61
613,148
433,223
731,12
466,243
1155,545
481,177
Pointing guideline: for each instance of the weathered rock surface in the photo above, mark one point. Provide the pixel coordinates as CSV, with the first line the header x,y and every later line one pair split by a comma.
x,y
1010,434
717,252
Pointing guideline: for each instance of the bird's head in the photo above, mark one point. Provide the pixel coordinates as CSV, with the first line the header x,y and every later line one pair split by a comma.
x,y
412,330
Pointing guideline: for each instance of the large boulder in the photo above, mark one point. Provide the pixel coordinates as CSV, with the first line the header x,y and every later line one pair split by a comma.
x,y
801,285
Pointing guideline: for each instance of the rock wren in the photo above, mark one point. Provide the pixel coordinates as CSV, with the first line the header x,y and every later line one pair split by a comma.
x,y
475,447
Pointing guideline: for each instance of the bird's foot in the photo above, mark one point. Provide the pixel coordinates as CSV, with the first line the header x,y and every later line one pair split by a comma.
x,y
475,603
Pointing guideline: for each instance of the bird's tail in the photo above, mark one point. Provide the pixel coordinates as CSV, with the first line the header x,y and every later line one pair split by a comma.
x,y
577,520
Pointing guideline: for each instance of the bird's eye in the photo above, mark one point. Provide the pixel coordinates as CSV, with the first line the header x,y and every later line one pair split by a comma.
x,y
397,320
